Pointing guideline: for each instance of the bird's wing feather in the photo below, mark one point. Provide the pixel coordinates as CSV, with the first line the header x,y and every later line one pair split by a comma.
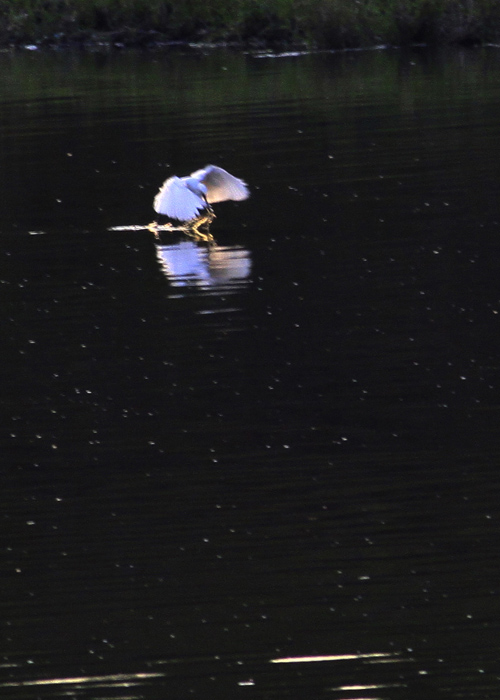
x,y
177,201
221,185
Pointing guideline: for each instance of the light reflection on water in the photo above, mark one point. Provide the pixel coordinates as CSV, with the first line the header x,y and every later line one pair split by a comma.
x,y
102,683
114,680
189,264
332,657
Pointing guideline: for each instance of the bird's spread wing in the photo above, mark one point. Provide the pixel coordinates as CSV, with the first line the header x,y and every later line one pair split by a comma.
x,y
221,185
177,201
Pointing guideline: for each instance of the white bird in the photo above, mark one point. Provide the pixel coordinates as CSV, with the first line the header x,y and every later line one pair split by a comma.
x,y
183,198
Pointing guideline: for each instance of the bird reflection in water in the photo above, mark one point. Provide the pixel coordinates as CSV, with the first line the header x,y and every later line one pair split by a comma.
x,y
186,264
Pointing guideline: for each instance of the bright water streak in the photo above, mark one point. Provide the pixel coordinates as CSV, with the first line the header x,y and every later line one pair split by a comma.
x,y
282,447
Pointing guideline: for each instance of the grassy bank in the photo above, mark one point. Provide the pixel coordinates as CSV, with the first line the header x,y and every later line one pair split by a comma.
x,y
318,23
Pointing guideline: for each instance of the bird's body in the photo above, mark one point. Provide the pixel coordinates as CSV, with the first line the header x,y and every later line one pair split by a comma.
x,y
183,198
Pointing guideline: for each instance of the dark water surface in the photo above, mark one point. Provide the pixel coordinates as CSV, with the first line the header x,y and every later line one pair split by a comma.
x,y
268,468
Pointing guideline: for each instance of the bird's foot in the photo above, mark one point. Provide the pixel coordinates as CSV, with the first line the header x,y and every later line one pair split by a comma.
x,y
153,227
198,235
193,227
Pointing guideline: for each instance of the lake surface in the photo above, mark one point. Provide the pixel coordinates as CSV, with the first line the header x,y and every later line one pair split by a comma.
x,y
266,468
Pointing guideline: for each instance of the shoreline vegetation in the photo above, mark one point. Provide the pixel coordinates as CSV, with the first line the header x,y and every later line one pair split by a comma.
x,y
257,24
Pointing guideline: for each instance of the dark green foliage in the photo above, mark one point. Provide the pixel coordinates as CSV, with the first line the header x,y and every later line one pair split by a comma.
x,y
324,23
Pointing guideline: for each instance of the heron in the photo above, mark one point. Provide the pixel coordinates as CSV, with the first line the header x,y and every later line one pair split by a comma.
x,y
183,198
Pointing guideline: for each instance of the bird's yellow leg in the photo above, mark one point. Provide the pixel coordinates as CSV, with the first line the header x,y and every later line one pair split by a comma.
x,y
203,221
